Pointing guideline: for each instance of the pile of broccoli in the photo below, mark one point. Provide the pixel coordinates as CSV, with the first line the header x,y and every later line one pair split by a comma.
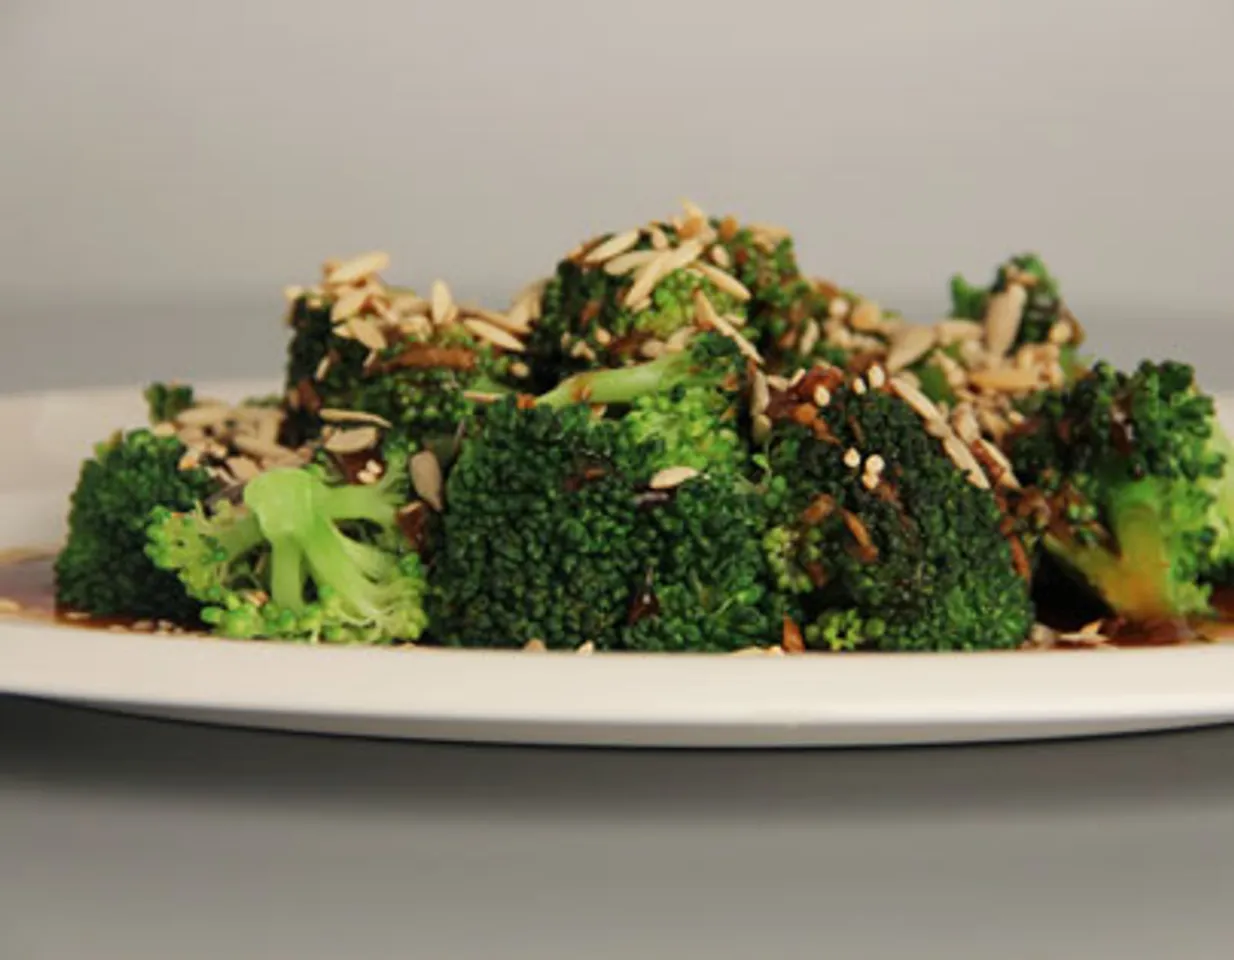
x,y
677,441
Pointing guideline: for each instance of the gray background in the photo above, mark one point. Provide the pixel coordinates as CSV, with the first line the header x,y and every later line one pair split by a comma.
x,y
168,166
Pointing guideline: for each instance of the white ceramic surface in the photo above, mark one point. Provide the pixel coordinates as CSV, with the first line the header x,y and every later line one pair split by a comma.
x,y
558,698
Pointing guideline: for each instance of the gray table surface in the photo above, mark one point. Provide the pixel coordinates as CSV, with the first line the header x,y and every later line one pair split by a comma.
x,y
141,840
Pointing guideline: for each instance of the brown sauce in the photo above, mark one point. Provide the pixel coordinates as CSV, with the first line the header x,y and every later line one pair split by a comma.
x,y
27,590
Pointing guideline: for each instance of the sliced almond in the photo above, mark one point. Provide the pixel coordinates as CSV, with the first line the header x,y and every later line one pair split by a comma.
x,y
680,339
519,317
242,468
810,335
367,332
209,415
650,349
535,645
866,317
629,261
659,241
1003,316
494,335
760,427
671,477
720,257
611,247
724,280
357,268
706,317
440,302
645,281
425,473
354,440
956,331
349,304
165,429
410,305
682,256
760,393
922,405
336,415
1007,477
909,346
964,422
963,458
1005,379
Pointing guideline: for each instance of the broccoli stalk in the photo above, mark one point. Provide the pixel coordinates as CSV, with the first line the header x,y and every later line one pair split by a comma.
x,y
302,559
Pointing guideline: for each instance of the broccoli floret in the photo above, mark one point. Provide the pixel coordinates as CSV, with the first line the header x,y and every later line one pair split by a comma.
x,y
166,401
103,569
877,538
423,381
690,401
589,320
1132,470
552,532
1045,314
300,559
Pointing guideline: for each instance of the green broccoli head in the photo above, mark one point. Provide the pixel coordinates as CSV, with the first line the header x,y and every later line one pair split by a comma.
x,y
1044,318
560,527
878,538
622,297
691,400
103,569
166,401
422,376
1132,471
301,559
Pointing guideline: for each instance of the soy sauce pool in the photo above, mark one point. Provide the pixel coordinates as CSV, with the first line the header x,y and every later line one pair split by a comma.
x,y
27,591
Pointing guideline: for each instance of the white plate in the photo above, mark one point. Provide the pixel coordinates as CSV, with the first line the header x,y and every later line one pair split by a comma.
x,y
617,699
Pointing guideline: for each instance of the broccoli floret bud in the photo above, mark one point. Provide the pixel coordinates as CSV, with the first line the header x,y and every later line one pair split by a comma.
x,y
166,401
553,531
103,569
689,401
301,559
1132,472
882,542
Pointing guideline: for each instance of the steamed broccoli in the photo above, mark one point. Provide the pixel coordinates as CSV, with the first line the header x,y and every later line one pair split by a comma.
x,y
589,319
554,531
103,569
166,401
419,381
880,541
301,559
1133,472
690,401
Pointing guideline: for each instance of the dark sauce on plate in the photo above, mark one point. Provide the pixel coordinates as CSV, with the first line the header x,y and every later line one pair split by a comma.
x,y
27,591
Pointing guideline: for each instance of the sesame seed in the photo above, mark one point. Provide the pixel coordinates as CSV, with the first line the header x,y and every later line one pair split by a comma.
x,y
869,481
859,386
852,459
822,396
875,465
877,377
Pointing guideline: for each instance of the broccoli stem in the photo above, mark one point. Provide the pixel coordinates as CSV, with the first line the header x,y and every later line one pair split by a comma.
x,y
622,385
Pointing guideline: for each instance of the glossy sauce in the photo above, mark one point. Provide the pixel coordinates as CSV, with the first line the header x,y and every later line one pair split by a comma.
x,y
27,583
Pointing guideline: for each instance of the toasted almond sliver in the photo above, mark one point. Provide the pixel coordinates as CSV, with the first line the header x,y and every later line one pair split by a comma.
x,y
963,458
535,645
336,415
165,429
809,338
410,305
909,346
611,247
242,468
1002,319
629,261
659,241
644,282
494,335
426,478
724,280
681,256
912,395
671,477
720,257
357,268
206,415
760,393
441,301
953,331
349,304
1005,379
367,332
353,440
866,317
